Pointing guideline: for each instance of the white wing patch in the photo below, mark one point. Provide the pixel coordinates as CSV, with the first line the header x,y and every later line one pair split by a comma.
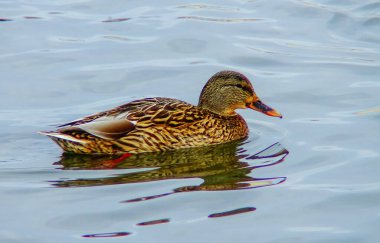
x,y
105,127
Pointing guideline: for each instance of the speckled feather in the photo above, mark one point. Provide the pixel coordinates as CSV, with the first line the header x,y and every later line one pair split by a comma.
x,y
155,124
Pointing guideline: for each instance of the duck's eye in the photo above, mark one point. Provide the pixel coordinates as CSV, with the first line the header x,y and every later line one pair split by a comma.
x,y
245,88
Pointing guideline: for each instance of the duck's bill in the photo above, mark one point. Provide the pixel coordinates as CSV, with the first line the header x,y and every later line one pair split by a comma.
x,y
261,107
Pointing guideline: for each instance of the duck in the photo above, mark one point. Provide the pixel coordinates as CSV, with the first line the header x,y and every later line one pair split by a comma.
x,y
162,124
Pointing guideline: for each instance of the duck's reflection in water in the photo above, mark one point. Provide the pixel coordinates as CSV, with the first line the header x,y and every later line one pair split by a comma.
x,y
222,167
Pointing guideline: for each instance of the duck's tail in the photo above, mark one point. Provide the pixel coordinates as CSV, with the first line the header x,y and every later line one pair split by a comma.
x,y
81,142
57,136
67,142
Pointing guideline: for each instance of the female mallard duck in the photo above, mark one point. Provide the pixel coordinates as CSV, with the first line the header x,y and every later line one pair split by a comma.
x,y
158,124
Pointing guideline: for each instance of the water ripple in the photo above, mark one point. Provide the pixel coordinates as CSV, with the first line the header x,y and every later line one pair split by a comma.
x,y
210,7
220,20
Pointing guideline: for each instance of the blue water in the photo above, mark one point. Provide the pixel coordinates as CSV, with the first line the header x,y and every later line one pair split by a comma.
x,y
310,177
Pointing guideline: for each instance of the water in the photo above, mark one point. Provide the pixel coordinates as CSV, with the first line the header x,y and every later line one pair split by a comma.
x,y
310,177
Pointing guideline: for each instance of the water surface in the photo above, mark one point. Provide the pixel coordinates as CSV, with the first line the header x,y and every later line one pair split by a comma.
x,y
310,177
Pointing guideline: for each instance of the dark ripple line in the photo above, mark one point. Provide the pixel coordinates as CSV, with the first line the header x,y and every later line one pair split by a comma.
x,y
107,235
153,222
116,20
232,212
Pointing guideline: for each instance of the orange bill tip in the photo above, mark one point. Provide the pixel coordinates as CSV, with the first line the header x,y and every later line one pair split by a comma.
x,y
273,113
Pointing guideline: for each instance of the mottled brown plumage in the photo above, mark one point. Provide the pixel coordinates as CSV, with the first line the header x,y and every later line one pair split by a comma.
x,y
159,124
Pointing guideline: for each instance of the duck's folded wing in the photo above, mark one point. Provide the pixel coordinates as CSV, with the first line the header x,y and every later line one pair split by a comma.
x,y
110,129
119,112
140,114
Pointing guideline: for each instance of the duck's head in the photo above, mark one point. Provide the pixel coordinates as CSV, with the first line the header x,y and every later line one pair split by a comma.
x,y
227,91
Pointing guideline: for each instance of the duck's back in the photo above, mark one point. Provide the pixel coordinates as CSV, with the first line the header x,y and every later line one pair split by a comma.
x,y
148,125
